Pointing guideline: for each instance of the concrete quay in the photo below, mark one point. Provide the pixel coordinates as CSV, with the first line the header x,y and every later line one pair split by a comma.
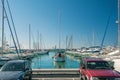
x,y
55,74
56,78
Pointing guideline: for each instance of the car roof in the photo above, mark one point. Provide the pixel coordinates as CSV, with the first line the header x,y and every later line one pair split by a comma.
x,y
93,59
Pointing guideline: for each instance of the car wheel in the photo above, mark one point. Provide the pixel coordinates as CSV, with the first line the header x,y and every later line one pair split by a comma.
x,y
85,78
81,78
30,78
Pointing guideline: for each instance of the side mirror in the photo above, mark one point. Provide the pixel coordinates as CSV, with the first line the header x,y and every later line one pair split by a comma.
x,y
83,67
112,67
27,69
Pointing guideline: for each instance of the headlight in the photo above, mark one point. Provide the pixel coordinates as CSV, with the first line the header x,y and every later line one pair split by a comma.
x,y
117,78
94,78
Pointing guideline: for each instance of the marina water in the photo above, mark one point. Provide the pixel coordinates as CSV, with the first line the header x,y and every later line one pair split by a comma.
x,y
46,62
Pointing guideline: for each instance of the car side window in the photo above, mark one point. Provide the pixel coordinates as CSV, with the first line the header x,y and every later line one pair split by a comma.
x,y
91,65
19,67
13,67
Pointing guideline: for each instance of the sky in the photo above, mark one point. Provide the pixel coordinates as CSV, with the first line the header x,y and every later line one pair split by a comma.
x,y
84,20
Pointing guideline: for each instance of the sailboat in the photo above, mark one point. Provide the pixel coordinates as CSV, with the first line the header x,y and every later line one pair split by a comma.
x,y
40,51
59,56
3,59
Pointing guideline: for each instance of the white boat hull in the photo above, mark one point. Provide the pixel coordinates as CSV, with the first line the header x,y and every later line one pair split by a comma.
x,y
59,59
41,52
3,60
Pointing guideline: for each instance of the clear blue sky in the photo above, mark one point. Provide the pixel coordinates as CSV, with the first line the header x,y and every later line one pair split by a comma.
x,y
79,18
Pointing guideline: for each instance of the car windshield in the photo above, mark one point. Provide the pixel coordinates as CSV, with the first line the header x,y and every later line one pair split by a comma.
x,y
13,67
98,65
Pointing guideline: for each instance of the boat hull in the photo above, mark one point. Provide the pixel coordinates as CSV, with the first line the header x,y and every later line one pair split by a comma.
x,y
41,52
3,60
59,59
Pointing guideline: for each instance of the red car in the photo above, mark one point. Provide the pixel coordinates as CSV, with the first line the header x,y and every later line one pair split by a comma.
x,y
97,69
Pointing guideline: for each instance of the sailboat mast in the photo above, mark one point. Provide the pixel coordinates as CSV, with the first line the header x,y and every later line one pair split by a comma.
x,y
119,25
38,42
59,24
93,40
2,26
29,37
66,42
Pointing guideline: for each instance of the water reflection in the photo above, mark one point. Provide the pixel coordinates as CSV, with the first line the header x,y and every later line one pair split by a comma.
x,y
59,64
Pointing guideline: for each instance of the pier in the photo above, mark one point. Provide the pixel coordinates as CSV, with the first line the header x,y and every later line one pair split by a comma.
x,y
55,74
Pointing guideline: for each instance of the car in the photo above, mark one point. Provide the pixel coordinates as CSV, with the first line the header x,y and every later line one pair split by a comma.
x,y
16,70
97,69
